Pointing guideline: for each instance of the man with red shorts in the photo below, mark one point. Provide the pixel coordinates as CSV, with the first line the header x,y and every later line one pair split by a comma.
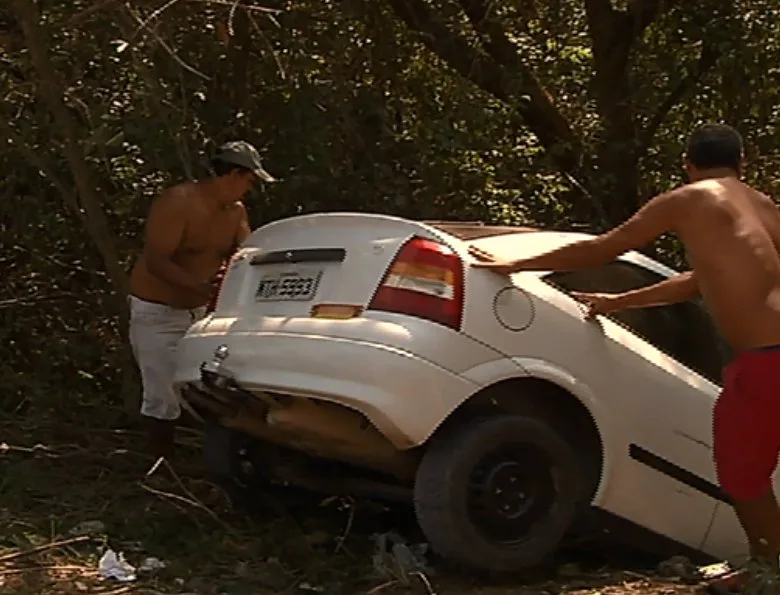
x,y
731,235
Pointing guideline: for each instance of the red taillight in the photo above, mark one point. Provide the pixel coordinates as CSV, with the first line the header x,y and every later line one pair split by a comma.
x,y
218,279
426,281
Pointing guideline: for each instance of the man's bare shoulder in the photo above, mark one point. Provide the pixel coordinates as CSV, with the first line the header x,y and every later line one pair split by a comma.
x,y
175,199
673,205
703,194
237,211
236,207
761,198
722,187
699,189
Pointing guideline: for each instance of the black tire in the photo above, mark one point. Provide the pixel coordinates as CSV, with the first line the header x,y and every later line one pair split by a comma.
x,y
498,494
230,459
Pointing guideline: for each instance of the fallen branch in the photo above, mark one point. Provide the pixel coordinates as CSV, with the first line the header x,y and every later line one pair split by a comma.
x,y
425,581
32,301
191,501
42,548
119,591
382,587
51,568
347,529
5,447
169,495
190,495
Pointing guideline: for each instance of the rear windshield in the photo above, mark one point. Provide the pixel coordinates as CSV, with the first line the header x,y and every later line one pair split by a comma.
x,y
468,230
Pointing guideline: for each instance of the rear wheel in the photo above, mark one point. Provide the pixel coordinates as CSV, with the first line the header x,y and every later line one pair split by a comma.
x,y
498,493
231,459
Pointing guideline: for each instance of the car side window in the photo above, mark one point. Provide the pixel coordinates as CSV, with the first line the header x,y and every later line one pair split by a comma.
x,y
684,331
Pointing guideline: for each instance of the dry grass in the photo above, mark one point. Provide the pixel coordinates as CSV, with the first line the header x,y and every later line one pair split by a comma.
x,y
55,477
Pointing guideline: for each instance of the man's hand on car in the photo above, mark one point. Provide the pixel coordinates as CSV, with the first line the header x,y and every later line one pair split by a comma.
x,y
597,303
485,260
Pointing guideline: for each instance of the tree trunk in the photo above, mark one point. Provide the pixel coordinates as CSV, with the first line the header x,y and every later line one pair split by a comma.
x,y
50,91
617,160
229,89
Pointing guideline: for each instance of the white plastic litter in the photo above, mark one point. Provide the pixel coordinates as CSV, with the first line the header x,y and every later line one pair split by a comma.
x,y
714,570
151,565
116,567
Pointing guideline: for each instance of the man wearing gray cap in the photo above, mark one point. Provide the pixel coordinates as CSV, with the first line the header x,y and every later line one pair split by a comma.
x,y
191,231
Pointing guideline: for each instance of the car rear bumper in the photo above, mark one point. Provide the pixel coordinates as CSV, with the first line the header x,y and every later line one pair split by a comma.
x,y
403,395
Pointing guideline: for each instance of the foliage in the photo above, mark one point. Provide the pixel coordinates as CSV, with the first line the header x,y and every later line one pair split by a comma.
x,y
550,113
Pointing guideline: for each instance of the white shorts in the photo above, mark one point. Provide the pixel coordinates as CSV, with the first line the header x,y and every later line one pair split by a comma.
x,y
155,330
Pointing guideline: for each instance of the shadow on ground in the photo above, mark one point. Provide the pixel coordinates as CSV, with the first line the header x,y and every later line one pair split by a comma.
x,y
68,492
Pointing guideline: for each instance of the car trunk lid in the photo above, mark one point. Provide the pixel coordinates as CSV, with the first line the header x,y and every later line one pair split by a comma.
x,y
288,267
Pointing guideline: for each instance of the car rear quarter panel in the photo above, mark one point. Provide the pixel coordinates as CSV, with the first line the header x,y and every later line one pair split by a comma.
x,y
636,394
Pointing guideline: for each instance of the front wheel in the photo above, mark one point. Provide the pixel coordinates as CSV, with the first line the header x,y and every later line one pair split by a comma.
x,y
498,493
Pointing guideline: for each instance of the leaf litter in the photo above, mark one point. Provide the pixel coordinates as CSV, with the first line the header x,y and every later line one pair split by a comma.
x,y
66,503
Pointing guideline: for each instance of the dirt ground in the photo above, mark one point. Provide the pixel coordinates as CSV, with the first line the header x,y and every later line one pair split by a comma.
x,y
66,494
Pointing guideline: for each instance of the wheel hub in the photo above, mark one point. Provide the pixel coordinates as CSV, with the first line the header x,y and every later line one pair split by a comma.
x,y
509,494
507,490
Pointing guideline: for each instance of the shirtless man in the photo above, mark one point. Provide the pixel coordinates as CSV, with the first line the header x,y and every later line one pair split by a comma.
x,y
191,231
731,235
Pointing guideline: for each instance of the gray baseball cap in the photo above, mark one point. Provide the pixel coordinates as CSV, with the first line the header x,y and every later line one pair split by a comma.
x,y
242,153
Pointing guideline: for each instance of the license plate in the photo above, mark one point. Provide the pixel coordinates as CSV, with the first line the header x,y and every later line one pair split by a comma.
x,y
283,286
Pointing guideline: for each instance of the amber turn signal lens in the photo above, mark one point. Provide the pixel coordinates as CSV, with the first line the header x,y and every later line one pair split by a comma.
x,y
336,311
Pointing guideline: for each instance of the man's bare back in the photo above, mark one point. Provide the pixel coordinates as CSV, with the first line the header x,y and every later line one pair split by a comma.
x,y
731,235
188,231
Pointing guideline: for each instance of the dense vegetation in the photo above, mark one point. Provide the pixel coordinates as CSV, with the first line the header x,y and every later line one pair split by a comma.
x,y
552,113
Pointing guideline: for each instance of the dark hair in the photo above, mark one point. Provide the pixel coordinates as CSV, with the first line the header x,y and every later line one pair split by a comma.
x,y
223,168
713,146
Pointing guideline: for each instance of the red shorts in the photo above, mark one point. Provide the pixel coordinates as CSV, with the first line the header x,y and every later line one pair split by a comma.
x,y
746,424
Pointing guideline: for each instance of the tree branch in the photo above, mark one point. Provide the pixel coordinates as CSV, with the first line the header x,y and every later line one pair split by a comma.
x,y
642,13
707,59
83,15
601,15
500,71
618,30
500,75
503,51
51,92
13,142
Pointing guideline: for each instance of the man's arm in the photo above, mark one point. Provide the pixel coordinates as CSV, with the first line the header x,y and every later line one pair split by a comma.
x,y
680,288
651,221
243,231
164,232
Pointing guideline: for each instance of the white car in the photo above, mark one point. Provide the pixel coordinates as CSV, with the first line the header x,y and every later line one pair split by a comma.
x,y
362,353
